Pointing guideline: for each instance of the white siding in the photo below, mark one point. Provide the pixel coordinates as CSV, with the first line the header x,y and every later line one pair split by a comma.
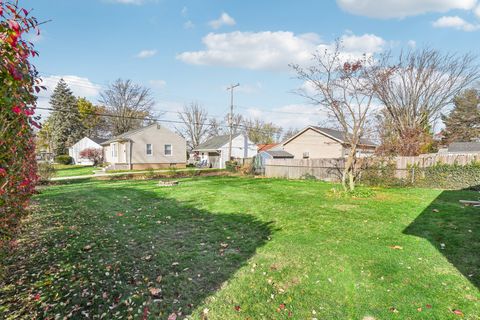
x,y
74,151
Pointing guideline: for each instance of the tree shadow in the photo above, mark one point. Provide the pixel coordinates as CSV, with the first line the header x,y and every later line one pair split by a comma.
x,y
115,251
454,230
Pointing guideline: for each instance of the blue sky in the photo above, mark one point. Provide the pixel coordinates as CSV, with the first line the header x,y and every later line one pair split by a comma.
x,y
191,50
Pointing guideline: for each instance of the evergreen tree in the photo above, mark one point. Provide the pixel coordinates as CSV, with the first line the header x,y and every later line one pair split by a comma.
x,y
463,122
67,127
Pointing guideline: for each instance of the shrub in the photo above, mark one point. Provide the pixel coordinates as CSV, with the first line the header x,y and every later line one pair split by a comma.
x,y
247,169
18,84
45,171
64,159
232,166
93,154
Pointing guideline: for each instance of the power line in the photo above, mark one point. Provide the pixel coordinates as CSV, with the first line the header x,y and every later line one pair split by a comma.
x,y
154,119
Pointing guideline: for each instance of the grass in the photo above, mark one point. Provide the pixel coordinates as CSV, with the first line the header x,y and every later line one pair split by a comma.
x,y
67,170
238,248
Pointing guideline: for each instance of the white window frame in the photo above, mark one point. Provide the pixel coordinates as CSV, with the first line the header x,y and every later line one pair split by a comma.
x,y
171,149
151,149
114,150
306,155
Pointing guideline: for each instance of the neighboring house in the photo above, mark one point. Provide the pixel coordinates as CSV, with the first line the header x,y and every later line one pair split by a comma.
x,y
321,143
464,147
150,147
262,157
82,144
214,152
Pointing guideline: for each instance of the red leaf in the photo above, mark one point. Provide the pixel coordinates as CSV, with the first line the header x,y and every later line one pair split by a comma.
x,y
429,306
145,313
282,306
237,308
173,316
458,312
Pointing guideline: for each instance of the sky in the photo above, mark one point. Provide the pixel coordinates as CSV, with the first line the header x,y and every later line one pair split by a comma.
x,y
191,51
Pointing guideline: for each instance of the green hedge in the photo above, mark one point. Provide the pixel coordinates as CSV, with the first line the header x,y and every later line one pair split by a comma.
x,y
64,159
442,176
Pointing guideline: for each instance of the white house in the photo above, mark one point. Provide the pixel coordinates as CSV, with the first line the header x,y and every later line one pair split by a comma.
x,y
214,151
85,143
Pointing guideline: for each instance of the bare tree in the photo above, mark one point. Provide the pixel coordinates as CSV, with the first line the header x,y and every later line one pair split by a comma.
x,y
237,121
260,132
195,127
215,128
129,105
340,88
416,86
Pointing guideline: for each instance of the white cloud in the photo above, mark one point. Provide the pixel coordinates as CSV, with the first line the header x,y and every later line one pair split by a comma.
x,y
271,50
81,87
146,54
385,9
477,11
224,20
188,25
412,43
184,12
160,84
455,22
289,116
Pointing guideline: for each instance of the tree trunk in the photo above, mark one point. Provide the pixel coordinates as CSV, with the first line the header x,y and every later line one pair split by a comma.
x,y
349,171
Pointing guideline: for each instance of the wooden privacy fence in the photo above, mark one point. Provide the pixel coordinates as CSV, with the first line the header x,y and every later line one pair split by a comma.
x,y
331,169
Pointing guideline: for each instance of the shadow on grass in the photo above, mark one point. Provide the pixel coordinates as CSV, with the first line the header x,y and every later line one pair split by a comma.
x,y
123,252
454,230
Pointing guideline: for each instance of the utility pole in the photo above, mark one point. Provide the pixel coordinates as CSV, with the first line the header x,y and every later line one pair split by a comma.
x,y
230,118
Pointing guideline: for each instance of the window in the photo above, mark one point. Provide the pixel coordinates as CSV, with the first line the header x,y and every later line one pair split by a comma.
x,y
168,149
148,149
114,150
306,155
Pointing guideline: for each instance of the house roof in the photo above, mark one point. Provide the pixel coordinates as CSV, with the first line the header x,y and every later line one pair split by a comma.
x,y
98,140
265,147
466,147
127,134
332,133
215,143
279,154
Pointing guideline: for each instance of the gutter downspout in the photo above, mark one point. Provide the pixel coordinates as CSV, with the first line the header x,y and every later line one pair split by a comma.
x,y
130,166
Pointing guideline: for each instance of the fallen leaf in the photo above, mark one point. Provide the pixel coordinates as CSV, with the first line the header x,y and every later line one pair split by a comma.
x,y
237,308
173,316
154,291
282,306
396,247
436,210
159,279
428,306
419,309
88,247
393,309
457,312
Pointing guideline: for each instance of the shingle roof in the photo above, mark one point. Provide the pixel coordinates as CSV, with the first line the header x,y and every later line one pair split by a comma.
x,y
126,134
215,143
339,135
464,147
98,140
279,154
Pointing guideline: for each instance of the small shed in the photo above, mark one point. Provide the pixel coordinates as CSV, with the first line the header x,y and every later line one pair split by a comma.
x,y
261,158
85,143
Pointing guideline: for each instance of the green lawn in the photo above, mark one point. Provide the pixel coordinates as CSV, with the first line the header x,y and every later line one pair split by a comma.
x,y
238,248
63,170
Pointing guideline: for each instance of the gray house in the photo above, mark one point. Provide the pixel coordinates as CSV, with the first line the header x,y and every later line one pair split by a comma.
x,y
150,147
